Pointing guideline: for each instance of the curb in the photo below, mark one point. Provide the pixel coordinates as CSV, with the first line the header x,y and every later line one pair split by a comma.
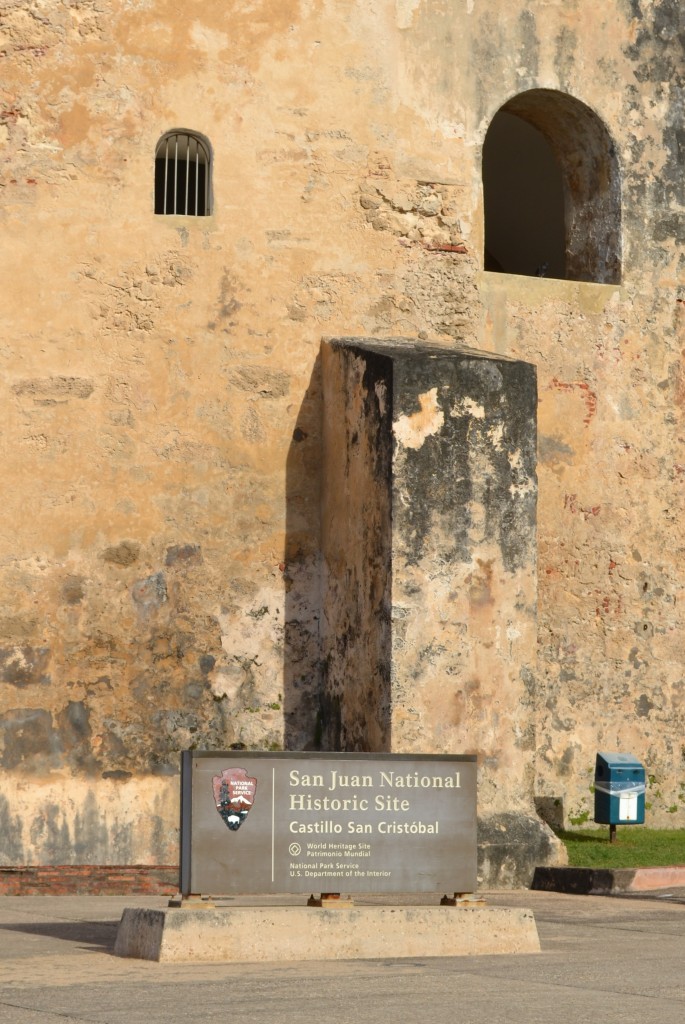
x,y
605,881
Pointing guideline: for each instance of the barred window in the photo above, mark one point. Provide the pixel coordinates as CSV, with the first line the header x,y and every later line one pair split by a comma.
x,y
182,175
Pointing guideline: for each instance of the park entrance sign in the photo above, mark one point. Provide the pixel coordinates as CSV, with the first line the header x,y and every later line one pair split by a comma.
x,y
353,823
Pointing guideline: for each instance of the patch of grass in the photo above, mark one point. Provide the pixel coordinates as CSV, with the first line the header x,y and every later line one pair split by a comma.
x,y
635,847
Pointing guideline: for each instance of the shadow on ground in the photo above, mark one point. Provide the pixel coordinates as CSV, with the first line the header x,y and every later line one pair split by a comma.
x,y
93,935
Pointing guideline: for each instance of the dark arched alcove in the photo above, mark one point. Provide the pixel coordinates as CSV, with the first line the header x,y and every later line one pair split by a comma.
x,y
552,191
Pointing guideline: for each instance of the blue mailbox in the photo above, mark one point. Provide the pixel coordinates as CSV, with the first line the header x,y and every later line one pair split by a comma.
x,y
619,790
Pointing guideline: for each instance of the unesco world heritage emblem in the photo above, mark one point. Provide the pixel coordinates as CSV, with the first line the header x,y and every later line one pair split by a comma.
x,y
234,794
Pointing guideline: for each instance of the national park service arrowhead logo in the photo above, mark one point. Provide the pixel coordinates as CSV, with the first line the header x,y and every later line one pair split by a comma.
x,y
234,793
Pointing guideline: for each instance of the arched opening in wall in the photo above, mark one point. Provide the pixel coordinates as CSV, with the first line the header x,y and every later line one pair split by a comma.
x,y
182,174
551,191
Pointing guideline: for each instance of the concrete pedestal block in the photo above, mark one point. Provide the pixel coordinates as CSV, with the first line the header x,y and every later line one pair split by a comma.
x,y
252,934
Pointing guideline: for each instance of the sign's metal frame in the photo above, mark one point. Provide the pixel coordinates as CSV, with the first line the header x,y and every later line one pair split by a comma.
x,y
188,756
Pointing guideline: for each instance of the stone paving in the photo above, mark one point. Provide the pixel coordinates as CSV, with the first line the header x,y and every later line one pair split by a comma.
x,y
604,959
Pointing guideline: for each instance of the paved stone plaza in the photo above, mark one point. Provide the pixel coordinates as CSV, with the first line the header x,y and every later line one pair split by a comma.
x,y
603,960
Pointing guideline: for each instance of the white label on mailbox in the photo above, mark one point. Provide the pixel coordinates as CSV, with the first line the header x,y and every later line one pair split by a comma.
x,y
627,807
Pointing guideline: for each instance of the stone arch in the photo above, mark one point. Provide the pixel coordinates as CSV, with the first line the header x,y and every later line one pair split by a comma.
x,y
552,191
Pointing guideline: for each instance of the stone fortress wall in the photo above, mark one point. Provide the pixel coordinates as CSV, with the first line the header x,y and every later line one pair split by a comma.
x,y
161,418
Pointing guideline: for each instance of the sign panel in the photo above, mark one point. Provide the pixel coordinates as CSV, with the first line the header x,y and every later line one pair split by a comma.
x,y
352,823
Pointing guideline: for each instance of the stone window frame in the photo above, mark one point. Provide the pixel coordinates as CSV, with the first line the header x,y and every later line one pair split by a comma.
x,y
589,163
183,174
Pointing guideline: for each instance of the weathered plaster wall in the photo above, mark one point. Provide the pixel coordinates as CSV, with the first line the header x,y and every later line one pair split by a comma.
x,y
161,390
609,368
609,652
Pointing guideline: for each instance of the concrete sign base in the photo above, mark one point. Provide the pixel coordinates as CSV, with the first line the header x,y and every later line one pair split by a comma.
x,y
251,934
